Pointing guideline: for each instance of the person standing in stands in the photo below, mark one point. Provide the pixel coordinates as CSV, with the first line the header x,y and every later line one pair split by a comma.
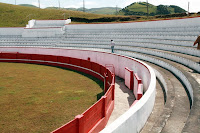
x,y
112,46
197,42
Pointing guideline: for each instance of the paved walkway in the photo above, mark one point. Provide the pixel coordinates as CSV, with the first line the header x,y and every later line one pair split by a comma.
x,y
123,99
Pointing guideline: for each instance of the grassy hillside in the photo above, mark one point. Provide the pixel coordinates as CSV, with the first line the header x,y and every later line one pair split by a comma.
x,y
140,8
18,16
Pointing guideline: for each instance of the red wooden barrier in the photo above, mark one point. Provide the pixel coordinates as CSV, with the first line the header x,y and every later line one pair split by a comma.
x,y
75,61
95,118
37,57
70,127
62,59
96,67
93,115
50,58
6,55
86,64
23,56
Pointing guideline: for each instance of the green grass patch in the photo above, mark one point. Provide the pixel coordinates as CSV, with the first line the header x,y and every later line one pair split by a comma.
x,y
42,98
18,16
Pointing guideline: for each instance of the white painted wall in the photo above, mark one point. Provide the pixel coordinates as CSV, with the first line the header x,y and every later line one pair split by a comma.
x,y
31,23
51,23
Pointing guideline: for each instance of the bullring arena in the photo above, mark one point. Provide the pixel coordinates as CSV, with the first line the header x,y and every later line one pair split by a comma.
x,y
155,60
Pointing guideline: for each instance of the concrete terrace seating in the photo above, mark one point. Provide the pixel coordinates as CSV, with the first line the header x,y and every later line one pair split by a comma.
x,y
162,44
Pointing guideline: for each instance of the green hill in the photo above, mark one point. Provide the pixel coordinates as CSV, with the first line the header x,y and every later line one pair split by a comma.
x,y
18,16
140,8
27,5
102,10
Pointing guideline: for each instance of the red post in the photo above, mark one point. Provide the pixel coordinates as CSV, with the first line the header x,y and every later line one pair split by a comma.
x,y
131,80
80,123
113,92
105,106
105,83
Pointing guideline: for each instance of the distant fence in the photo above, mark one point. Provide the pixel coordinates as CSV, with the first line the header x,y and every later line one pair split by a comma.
x,y
95,118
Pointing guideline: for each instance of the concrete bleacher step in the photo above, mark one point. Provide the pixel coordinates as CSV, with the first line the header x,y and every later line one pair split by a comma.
x,y
125,42
134,36
187,60
186,56
131,29
147,40
163,102
157,110
184,33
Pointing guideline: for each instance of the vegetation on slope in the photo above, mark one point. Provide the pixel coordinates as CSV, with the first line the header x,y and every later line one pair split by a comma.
x,y
140,8
18,16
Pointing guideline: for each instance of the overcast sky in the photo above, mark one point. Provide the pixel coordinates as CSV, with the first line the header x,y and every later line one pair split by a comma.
x,y
194,4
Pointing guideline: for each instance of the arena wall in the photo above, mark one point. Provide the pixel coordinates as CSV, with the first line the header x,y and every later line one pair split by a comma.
x,y
137,115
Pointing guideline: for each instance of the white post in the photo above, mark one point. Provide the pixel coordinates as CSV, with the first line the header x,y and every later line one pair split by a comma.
x,y
59,4
188,8
83,6
39,3
147,9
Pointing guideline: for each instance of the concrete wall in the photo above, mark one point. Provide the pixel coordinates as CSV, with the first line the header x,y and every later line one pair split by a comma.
x,y
31,23
49,31
51,23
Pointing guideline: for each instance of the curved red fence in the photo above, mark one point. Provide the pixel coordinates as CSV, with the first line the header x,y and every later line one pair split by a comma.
x,y
96,117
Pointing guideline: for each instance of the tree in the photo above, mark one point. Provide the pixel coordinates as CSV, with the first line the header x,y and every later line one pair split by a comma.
x,y
177,9
162,10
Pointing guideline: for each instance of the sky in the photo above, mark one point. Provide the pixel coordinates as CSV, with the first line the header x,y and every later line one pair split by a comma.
x,y
194,4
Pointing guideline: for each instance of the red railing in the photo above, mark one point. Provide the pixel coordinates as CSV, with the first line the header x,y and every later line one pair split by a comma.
x,y
93,119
